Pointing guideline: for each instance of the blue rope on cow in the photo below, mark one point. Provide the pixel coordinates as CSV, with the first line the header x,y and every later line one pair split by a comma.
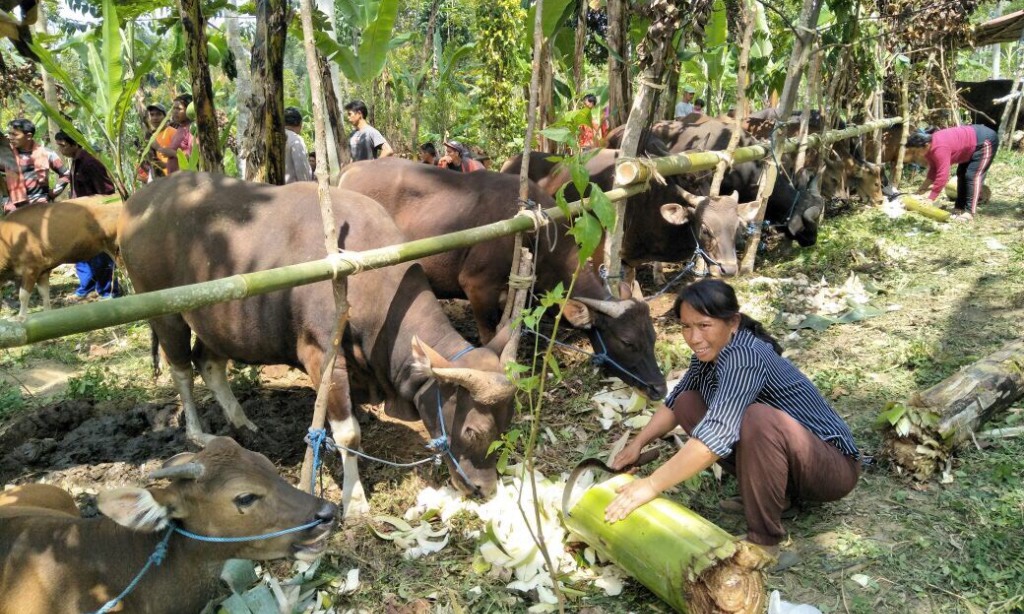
x,y
596,358
441,445
154,559
160,553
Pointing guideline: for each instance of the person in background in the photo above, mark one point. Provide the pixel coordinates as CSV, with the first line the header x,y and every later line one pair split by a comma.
x,y
312,163
685,106
428,154
457,158
587,136
182,139
157,163
752,411
972,148
29,181
366,142
698,106
296,158
88,178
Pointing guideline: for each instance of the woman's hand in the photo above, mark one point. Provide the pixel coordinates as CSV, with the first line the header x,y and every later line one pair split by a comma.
x,y
631,496
627,456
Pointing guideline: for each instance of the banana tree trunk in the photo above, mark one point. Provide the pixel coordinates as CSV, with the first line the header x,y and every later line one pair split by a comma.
x,y
742,71
687,561
924,432
579,46
336,138
265,138
243,87
619,91
194,26
421,83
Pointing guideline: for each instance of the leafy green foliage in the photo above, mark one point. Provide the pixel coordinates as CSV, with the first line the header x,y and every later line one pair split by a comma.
x,y
106,108
10,400
94,384
374,22
500,105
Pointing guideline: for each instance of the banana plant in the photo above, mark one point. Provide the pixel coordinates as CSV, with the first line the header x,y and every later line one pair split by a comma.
x,y
373,21
106,107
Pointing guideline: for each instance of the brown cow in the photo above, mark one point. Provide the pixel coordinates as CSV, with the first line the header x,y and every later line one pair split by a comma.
x,y
37,238
846,172
427,201
665,223
55,562
194,227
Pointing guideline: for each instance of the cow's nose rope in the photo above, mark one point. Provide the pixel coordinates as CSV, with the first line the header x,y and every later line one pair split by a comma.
x,y
160,553
597,358
317,438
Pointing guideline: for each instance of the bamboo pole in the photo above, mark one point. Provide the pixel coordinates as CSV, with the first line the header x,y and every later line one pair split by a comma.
x,y
687,561
630,171
897,173
46,325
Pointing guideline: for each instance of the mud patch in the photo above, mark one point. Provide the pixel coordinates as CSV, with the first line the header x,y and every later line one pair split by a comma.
x,y
85,447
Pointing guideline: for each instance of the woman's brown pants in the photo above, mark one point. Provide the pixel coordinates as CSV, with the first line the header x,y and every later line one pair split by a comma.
x,y
776,460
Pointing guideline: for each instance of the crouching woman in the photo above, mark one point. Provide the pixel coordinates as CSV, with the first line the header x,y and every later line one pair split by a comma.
x,y
748,408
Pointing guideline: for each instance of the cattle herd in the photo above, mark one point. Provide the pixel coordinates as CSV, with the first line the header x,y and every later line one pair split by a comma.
x,y
399,346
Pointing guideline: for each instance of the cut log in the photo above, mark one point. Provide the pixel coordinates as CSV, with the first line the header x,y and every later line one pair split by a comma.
x,y
687,561
922,435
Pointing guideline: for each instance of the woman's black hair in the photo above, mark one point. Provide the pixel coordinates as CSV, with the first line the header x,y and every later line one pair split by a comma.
x,y
716,299
919,138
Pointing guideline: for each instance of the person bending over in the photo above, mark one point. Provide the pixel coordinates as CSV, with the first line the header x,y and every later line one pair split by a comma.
x,y
972,149
752,411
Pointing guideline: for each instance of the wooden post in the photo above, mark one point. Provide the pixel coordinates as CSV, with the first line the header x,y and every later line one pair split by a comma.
x,y
904,128
330,234
805,37
742,71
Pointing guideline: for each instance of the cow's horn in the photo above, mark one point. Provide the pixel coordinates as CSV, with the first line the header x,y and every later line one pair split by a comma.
x,y
187,471
486,388
612,309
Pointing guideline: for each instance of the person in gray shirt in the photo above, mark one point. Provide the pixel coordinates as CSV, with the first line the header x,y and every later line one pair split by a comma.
x,y
366,142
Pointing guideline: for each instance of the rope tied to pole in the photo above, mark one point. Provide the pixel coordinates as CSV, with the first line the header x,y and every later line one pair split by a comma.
x,y
521,282
538,217
338,259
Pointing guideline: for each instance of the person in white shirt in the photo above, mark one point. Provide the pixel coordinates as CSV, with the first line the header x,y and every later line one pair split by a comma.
x,y
296,158
685,106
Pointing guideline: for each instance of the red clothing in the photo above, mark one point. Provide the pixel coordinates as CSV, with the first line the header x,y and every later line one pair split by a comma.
x,y
949,146
30,181
182,140
468,166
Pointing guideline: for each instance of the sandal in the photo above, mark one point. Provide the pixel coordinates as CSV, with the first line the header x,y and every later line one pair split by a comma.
x,y
961,216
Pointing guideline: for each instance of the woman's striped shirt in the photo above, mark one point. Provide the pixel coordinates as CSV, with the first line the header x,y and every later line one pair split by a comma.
x,y
747,371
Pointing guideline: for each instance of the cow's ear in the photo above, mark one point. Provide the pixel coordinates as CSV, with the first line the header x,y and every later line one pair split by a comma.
x,y
677,214
134,508
747,212
425,358
578,314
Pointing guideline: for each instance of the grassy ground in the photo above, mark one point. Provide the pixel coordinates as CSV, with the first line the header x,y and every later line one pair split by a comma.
x,y
952,294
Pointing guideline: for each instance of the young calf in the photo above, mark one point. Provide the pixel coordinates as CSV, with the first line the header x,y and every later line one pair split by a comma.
x,y
55,562
37,238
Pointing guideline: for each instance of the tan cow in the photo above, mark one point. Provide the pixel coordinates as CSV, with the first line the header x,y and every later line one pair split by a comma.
x,y
37,238
55,562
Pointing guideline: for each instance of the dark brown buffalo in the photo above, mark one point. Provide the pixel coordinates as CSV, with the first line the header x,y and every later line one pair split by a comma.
x,y
664,224
191,228
977,97
797,208
427,201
